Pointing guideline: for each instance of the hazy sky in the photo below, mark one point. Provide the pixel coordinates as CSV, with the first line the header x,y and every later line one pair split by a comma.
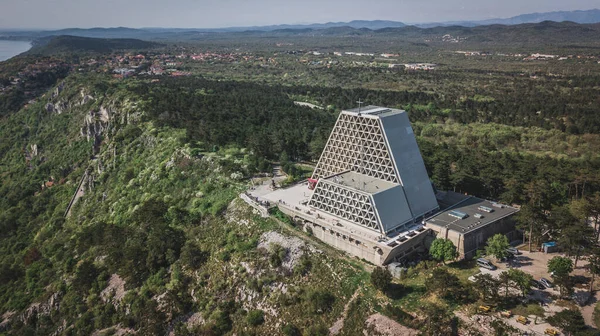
x,y
227,13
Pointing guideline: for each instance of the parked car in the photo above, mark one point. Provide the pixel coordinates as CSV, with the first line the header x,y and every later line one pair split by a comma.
x,y
537,284
509,256
522,319
484,309
513,250
546,283
481,262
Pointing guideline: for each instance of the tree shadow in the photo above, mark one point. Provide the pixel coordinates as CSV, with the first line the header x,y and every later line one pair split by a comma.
x,y
462,264
580,280
397,291
520,261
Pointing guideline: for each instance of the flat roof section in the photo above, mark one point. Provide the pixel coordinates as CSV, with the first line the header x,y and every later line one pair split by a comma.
x,y
373,110
447,199
476,211
361,182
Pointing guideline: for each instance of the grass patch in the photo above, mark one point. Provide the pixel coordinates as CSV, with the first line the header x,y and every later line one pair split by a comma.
x,y
463,269
529,309
275,212
567,304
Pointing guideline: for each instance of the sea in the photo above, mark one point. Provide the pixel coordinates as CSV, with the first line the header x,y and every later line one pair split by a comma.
x,y
9,49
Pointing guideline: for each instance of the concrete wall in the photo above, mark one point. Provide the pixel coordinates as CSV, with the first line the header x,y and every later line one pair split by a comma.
x,y
409,162
468,243
356,245
345,243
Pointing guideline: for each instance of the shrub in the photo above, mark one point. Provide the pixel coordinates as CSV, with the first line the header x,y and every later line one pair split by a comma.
x,y
278,253
255,317
291,330
320,301
317,330
381,278
303,267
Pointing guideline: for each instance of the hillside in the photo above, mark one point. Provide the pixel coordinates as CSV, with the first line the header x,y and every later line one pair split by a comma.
x,y
159,242
120,210
75,44
577,16
155,244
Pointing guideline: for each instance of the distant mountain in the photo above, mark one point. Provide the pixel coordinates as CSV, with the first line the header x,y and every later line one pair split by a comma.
x,y
75,44
527,34
357,27
357,24
577,16
119,32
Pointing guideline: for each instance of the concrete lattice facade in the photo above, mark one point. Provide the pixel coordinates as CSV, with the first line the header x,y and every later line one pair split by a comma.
x,y
341,201
357,143
371,172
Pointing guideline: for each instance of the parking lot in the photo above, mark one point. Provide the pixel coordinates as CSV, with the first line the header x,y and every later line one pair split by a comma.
x,y
535,263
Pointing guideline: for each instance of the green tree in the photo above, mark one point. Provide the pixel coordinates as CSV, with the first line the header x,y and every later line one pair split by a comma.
x,y
575,236
560,266
381,278
443,250
442,282
531,218
192,256
506,282
594,265
565,285
522,280
438,321
85,275
497,246
588,209
570,321
487,286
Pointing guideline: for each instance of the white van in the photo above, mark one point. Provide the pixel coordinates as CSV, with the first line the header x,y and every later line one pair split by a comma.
x,y
481,262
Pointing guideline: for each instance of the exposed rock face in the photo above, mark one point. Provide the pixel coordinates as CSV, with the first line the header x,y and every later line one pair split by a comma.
x,y
382,325
40,309
6,317
295,247
31,152
58,89
115,291
34,150
85,98
93,127
57,108
96,125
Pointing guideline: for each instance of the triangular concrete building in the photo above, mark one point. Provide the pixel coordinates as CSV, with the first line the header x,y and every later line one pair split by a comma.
x,y
371,172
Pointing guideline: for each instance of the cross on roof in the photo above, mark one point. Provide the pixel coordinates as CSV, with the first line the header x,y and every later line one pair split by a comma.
x,y
359,105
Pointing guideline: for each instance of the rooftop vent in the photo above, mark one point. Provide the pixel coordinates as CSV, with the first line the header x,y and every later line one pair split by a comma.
x,y
485,209
458,214
478,215
498,205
